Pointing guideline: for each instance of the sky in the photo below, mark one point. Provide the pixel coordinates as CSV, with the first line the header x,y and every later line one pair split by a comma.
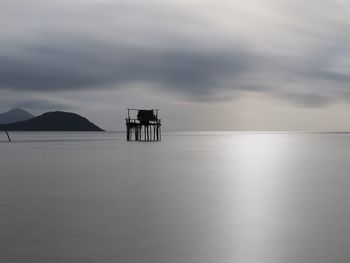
x,y
207,64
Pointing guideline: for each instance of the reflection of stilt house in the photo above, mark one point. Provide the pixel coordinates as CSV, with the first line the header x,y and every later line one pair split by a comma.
x,y
145,126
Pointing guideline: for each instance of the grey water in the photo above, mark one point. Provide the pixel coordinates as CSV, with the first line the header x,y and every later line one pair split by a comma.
x,y
193,197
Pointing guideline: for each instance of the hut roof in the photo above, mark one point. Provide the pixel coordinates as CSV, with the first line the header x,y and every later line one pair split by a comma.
x,y
146,115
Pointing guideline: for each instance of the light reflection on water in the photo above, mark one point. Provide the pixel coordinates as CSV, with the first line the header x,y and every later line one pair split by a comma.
x,y
194,197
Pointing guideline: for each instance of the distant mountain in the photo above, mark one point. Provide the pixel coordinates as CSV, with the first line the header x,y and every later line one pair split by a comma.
x,y
53,121
15,115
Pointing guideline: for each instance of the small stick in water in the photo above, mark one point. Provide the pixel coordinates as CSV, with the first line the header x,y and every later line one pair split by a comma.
x,y
8,136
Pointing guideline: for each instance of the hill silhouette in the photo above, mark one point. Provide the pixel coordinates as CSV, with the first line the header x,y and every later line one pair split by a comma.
x,y
53,121
15,115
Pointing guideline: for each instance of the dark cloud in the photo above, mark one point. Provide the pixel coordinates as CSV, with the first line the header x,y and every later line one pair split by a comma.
x,y
86,63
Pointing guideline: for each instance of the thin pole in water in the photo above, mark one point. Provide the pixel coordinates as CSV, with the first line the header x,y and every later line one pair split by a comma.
x,y
8,136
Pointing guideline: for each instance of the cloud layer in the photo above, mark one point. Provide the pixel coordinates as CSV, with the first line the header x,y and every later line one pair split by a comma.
x,y
198,50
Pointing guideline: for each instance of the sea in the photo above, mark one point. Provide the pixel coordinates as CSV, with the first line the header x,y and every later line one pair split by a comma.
x,y
194,197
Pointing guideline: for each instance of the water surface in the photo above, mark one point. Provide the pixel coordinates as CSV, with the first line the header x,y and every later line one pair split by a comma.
x,y
193,197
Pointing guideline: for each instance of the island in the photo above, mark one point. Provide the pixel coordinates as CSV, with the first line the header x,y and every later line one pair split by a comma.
x,y
53,121
15,115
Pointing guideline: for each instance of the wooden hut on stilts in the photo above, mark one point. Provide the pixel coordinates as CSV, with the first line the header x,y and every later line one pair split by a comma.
x,y
143,125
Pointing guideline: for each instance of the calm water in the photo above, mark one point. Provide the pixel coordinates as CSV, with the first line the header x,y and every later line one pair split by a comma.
x,y
194,197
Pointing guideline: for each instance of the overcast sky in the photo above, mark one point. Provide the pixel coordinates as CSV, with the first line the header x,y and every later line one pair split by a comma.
x,y
207,64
